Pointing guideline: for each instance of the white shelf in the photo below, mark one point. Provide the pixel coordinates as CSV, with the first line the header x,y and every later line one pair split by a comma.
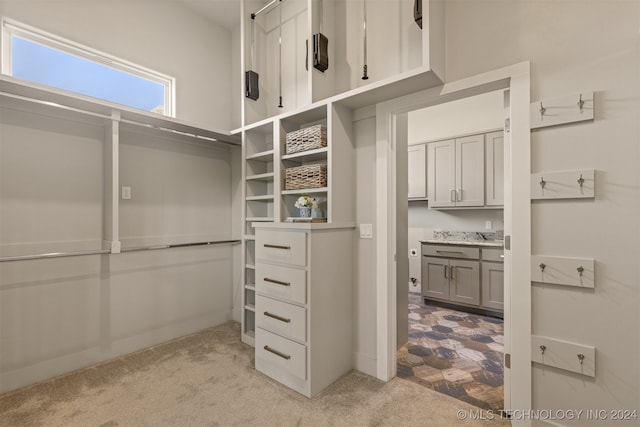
x,y
306,191
261,177
259,219
264,156
259,198
309,155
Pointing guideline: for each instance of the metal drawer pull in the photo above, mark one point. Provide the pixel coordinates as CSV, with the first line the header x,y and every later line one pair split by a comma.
x,y
450,252
275,316
277,282
277,353
453,195
267,245
451,270
445,272
502,256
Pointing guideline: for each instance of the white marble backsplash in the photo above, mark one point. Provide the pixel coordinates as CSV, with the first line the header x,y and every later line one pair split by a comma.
x,y
468,236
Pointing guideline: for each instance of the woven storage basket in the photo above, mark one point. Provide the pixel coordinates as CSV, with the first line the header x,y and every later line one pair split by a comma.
x,y
306,176
306,139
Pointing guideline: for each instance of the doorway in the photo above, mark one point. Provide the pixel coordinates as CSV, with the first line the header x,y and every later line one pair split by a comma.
x,y
455,341
392,278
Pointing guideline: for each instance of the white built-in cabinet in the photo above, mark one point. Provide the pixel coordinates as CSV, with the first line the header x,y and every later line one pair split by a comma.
x,y
277,44
417,171
466,172
494,172
304,297
456,172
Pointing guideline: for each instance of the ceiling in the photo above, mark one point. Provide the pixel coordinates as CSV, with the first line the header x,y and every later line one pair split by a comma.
x,y
225,13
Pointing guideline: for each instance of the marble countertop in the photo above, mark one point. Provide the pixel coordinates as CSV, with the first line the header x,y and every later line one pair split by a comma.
x,y
486,239
483,243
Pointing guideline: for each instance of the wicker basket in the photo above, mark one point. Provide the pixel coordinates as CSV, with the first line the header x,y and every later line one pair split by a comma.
x,y
306,176
306,139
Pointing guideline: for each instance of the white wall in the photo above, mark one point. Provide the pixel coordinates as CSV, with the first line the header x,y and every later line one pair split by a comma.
x,y
479,113
58,315
160,35
575,46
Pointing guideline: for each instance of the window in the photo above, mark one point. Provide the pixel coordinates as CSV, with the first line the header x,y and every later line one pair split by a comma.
x,y
40,57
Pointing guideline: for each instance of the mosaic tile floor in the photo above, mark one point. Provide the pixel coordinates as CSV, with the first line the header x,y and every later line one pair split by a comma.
x,y
455,353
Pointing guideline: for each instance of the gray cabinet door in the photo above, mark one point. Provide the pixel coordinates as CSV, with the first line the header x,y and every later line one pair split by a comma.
x,y
464,281
493,285
435,278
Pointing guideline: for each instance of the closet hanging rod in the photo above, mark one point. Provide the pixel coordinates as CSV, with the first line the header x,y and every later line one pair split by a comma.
x,y
54,104
177,132
108,251
177,245
265,7
54,255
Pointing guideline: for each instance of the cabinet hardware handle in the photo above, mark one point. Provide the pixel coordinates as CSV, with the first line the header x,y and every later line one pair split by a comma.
x,y
580,270
459,195
543,348
542,266
581,358
451,270
275,316
277,353
267,245
445,272
453,195
502,256
277,282
450,252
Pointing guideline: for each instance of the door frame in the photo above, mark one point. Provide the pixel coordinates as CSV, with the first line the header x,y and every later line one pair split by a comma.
x,y
517,220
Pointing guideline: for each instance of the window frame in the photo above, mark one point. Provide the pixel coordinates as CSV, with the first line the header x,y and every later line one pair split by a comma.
x,y
11,28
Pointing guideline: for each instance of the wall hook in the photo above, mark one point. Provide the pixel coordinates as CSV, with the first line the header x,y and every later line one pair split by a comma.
x,y
581,358
542,266
581,180
542,349
580,270
580,103
542,182
542,109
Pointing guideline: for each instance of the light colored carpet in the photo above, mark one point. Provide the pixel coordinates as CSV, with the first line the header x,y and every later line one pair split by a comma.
x,y
207,379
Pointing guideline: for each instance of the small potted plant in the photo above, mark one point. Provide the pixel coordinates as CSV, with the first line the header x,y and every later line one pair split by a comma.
x,y
305,204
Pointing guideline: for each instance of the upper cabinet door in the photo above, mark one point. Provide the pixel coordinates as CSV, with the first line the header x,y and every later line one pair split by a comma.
x,y
441,173
495,168
417,171
469,152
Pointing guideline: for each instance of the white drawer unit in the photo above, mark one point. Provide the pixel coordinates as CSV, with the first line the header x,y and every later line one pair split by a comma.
x,y
281,247
281,355
304,304
283,283
282,318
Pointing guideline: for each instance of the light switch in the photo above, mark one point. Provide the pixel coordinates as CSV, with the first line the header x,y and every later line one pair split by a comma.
x,y
126,193
488,225
366,231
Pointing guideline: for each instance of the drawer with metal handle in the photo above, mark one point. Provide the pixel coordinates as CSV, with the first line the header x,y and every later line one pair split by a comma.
x,y
281,318
281,247
284,283
451,251
495,255
275,353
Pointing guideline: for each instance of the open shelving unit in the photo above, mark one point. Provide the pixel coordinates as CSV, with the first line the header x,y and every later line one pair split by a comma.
x,y
402,58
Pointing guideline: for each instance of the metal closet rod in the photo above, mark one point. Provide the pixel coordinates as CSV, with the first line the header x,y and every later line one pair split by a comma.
x,y
108,251
108,117
265,7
